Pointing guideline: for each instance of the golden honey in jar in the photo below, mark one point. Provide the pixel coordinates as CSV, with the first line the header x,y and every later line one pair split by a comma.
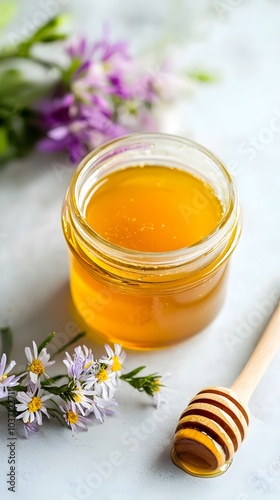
x,y
151,221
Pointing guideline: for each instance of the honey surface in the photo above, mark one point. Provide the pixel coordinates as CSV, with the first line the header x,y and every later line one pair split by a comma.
x,y
153,209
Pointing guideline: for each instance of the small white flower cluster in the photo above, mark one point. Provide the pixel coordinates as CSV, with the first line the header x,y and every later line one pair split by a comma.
x,y
30,406
89,389
92,385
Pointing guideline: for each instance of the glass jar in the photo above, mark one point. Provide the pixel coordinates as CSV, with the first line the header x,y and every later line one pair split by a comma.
x,y
146,300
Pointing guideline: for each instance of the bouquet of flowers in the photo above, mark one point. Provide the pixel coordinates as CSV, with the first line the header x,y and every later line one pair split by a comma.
x,y
100,91
85,391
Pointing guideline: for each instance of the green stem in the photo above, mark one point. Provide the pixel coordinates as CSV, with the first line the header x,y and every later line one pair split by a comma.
x,y
149,383
47,64
55,403
51,380
56,413
74,339
35,59
4,403
7,340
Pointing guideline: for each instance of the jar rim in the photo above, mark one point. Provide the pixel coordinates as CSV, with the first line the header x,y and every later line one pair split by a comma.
x,y
132,257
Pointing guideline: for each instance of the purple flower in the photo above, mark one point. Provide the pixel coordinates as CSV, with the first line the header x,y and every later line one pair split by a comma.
x,y
79,49
82,399
31,406
74,366
5,380
73,418
82,367
37,362
57,110
102,50
102,408
30,428
108,95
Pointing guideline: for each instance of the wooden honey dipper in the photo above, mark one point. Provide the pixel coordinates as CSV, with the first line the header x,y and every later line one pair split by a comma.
x,y
214,424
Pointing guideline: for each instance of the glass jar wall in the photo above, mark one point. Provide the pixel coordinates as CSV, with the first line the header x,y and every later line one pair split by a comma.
x,y
147,291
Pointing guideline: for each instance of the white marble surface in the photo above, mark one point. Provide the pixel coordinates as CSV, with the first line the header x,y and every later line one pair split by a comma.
x,y
243,46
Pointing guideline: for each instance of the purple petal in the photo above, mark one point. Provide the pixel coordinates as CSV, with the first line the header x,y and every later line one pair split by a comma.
x,y
82,69
11,365
50,145
3,364
28,354
103,105
77,48
76,151
120,48
58,133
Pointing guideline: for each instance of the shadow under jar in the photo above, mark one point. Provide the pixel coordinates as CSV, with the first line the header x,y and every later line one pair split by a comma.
x,y
151,221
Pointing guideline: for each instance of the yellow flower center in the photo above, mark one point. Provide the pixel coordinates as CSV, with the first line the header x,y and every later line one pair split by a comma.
x,y
105,66
72,417
87,364
116,366
4,376
102,375
156,386
35,404
78,396
36,367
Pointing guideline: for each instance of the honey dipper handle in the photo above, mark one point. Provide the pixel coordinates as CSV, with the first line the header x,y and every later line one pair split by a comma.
x,y
260,359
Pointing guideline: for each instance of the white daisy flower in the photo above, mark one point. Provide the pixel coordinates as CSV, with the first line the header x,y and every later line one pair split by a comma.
x,y
82,366
74,366
115,358
31,404
86,356
73,418
81,399
90,366
5,380
106,382
102,408
37,364
160,390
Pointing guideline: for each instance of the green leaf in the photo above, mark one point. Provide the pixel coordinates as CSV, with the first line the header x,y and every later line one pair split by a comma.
x,y
203,76
22,134
52,380
4,143
17,92
10,80
7,340
54,37
132,373
4,111
56,390
7,11
5,403
70,70
49,32
146,383
46,342
53,412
